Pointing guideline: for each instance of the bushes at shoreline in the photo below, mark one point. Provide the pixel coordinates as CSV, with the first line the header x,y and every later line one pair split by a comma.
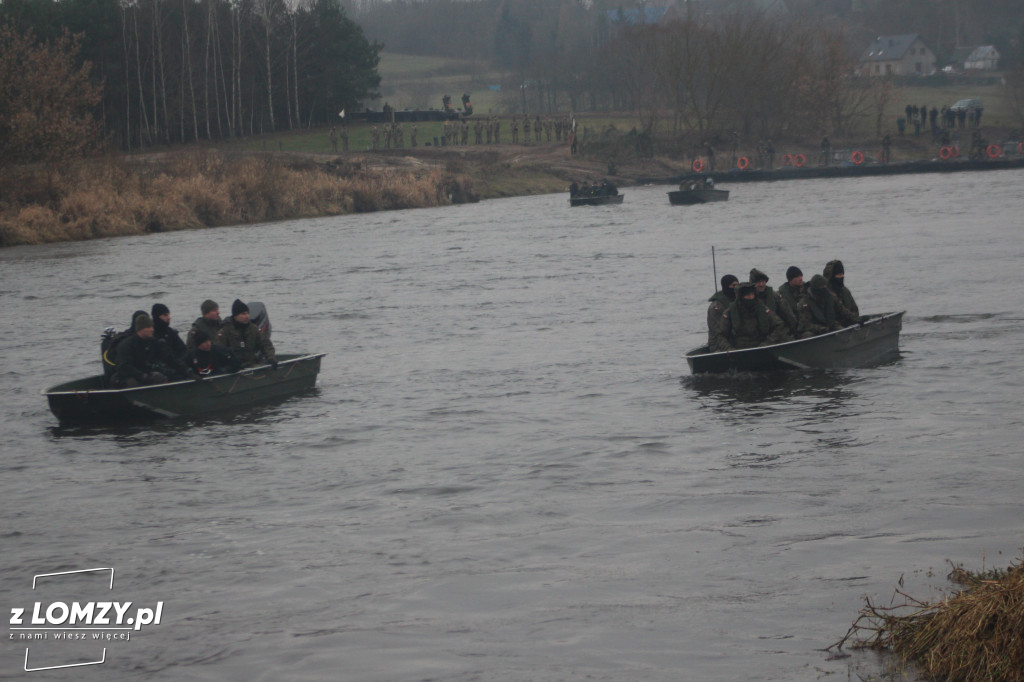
x,y
106,198
974,635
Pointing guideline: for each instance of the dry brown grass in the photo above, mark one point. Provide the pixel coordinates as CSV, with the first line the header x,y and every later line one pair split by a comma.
x,y
973,635
109,197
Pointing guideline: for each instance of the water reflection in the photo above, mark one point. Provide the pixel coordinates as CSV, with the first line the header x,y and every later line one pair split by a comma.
x,y
754,388
267,411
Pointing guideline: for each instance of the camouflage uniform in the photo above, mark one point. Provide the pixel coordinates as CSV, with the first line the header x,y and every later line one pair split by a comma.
x,y
210,327
820,311
790,295
838,286
720,302
748,324
774,302
248,344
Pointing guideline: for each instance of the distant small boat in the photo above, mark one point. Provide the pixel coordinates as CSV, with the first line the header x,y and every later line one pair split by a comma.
x,y
598,194
600,200
873,341
697,192
90,401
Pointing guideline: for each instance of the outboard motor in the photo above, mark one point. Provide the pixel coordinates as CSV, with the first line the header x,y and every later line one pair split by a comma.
x,y
258,316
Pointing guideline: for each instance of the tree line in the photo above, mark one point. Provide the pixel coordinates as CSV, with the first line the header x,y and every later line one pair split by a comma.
x,y
177,71
706,67
705,73
458,28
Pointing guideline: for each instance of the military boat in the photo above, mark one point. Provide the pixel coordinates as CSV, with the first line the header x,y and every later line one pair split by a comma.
x,y
91,401
697,192
873,341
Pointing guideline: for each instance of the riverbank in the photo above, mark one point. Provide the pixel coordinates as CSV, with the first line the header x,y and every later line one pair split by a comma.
x,y
188,190
196,188
973,634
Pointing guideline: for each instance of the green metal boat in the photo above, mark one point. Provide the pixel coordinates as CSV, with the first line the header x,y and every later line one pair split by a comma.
x,y
874,341
90,401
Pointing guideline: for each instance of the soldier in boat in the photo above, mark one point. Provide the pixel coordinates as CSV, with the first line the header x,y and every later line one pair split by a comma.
x,y
792,290
208,321
206,359
765,294
142,360
820,311
244,338
719,303
748,323
108,345
836,276
165,333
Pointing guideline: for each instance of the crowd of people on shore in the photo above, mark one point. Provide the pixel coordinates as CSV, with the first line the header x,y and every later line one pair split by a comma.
x,y
458,132
750,314
936,120
150,351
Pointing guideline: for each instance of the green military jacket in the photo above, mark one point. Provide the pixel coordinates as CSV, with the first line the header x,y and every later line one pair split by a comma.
x,y
741,330
247,343
821,314
719,304
842,293
791,295
211,329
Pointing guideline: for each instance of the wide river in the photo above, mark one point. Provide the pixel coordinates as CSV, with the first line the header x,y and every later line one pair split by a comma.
x,y
506,471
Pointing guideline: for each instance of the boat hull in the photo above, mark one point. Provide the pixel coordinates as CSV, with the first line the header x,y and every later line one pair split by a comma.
x,y
690,197
873,342
87,401
596,201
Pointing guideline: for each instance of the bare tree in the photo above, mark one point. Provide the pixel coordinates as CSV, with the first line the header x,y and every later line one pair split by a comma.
x,y
267,11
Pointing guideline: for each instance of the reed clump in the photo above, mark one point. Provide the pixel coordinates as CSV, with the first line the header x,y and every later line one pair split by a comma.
x,y
975,634
105,198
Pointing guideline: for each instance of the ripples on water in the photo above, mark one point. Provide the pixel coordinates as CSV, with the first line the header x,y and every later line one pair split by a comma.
x,y
505,471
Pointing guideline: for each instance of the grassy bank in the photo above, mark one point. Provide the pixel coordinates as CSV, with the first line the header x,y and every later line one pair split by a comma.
x,y
975,634
188,190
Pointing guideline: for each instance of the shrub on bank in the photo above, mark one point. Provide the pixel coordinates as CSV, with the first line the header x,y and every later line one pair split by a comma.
x,y
110,198
974,635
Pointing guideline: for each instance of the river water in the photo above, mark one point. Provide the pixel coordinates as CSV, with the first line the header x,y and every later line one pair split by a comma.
x,y
506,471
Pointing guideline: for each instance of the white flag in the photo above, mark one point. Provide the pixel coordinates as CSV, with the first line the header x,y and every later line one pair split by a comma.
x,y
342,113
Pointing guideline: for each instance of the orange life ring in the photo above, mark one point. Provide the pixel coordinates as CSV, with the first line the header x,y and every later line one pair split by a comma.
x,y
1020,147
857,157
743,163
787,159
698,165
799,160
945,153
993,151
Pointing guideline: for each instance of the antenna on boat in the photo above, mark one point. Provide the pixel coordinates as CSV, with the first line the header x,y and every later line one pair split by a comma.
x,y
714,268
